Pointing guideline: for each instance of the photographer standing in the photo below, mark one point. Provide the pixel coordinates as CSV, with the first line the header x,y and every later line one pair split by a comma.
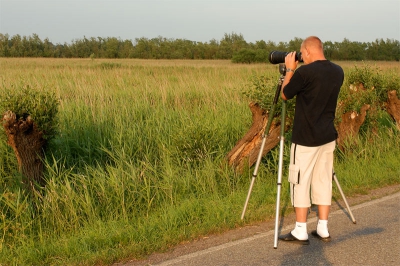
x,y
316,86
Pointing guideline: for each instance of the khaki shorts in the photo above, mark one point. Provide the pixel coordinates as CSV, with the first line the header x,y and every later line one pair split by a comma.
x,y
310,171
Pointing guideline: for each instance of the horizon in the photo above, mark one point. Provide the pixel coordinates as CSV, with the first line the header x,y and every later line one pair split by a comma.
x,y
62,22
173,39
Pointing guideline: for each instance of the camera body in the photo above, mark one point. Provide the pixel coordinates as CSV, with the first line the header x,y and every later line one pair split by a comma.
x,y
277,57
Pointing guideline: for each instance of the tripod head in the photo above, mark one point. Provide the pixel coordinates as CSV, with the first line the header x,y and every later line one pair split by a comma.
x,y
282,69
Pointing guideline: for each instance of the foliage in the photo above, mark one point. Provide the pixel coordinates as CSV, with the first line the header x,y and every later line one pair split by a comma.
x,y
367,84
139,161
363,84
231,47
262,90
244,56
249,56
40,105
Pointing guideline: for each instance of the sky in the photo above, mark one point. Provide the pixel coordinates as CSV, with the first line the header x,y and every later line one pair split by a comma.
x,y
63,21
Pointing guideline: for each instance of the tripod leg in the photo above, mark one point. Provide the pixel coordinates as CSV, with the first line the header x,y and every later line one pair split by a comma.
x,y
264,138
254,176
344,198
279,182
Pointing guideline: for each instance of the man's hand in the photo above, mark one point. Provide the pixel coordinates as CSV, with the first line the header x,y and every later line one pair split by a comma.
x,y
290,61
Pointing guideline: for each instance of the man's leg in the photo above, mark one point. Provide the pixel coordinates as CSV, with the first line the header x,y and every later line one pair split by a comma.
x,y
305,157
300,229
299,233
301,214
322,226
300,191
322,188
323,212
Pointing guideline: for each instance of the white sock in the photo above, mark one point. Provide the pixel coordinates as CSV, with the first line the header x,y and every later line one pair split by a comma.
x,y
300,231
322,228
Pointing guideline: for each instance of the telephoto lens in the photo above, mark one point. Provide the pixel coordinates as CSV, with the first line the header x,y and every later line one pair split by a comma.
x,y
277,57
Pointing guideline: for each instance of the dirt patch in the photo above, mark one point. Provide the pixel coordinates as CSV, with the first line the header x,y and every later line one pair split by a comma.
x,y
250,230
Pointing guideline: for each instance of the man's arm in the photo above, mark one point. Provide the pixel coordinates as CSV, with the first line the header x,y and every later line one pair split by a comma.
x,y
291,65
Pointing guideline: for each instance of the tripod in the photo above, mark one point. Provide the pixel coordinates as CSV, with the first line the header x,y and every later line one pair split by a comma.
x,y
282,70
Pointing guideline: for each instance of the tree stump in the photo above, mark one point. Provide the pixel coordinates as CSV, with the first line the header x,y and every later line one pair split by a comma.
x,y
350,125
247,149
393,107
28,143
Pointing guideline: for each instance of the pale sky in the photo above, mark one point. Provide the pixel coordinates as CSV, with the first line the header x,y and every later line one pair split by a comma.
x,y
62,21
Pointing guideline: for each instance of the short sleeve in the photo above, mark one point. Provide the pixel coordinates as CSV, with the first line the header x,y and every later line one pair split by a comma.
x,y
294,86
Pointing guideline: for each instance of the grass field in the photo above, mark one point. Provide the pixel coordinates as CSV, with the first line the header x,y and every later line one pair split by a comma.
x,y
139,164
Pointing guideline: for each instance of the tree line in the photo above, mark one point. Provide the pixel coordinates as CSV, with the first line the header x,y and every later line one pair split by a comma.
x,y
231,47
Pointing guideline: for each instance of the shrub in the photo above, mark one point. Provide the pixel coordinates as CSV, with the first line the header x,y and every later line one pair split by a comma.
x,y
262,90
367,85
250,56
29,122
40,105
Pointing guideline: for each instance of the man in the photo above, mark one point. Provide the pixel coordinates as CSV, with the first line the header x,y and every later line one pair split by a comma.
x,y
316,86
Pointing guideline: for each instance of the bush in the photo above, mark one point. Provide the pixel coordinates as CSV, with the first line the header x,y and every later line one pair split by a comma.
x,y
248,56
367,85
40,105
262,90
29,122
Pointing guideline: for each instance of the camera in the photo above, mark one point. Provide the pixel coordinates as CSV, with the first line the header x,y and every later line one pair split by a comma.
x,y
277,57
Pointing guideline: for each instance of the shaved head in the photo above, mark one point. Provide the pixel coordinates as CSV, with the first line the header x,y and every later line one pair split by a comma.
x,y
313,42
312,49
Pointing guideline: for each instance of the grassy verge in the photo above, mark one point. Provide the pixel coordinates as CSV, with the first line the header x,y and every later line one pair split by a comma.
x,y
138,165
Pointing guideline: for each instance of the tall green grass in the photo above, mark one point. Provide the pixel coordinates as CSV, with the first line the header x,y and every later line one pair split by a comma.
x,y
138,165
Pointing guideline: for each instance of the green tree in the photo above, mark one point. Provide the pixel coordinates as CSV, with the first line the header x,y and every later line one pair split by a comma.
x,y
260,45
48,48
244,56
143,48
352,50
212,49
126,49
167,48
111,47
330,50
4,48
383,50
230,44
294,45
17,49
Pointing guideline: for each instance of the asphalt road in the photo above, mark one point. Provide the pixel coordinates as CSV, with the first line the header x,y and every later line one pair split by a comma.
x,y
373,240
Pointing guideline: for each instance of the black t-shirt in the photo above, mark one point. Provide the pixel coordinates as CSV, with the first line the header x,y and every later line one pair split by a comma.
x,y
317,87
